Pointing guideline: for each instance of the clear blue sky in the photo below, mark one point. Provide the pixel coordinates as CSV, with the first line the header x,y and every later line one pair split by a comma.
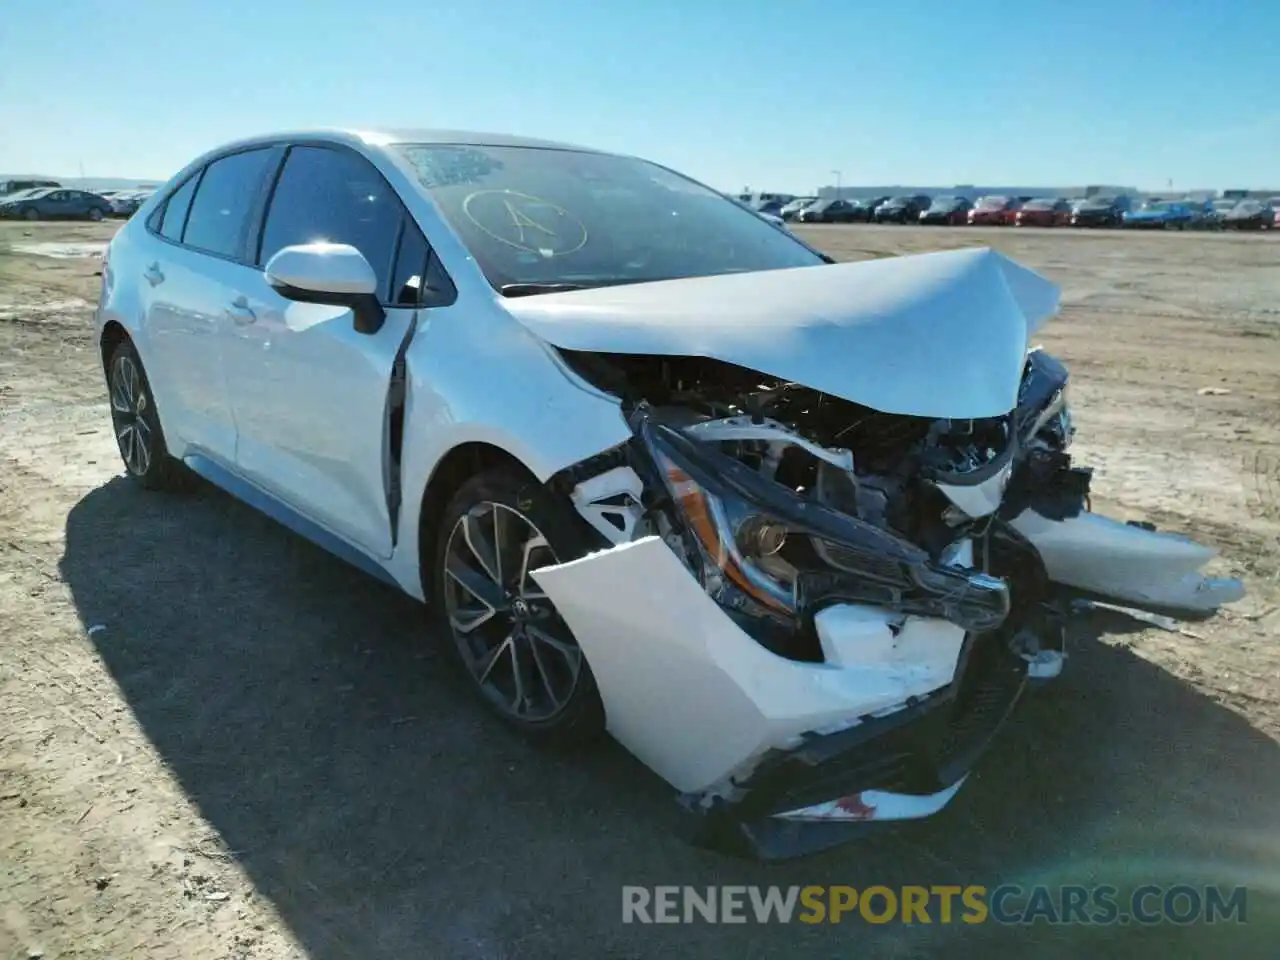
x,y
771,95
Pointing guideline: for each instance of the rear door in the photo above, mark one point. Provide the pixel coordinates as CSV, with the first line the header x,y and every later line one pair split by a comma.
x,y
309,393
194,273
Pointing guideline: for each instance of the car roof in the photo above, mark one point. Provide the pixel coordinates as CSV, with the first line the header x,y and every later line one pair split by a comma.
x,y
381,137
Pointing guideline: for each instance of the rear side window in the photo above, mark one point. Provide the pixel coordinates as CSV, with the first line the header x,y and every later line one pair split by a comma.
x,y
219,216
336,196
175,210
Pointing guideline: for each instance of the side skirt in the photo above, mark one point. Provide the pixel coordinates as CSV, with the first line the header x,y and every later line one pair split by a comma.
x,y
286,516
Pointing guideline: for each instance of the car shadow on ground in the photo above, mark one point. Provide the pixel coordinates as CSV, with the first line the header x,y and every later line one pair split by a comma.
x,y
384,814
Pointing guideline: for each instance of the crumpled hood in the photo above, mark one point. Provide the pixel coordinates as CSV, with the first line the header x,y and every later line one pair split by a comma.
x,y
931,335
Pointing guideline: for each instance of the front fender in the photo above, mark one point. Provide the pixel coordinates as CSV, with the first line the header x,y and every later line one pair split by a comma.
x,y
512,391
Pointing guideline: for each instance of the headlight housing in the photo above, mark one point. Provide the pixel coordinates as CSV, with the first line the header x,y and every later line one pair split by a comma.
x,y
741,528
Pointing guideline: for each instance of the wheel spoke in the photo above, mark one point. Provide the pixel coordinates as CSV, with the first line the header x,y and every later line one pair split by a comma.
x,y
535,542
480,547
119,402
126,444
490,660
570,652
547,684
127,380
142,444
521,701
475,583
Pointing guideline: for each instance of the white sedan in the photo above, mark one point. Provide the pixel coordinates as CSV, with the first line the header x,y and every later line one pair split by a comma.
x,y
796,533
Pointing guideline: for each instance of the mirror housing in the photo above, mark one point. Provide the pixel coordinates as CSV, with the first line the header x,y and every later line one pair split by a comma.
x,y
330,273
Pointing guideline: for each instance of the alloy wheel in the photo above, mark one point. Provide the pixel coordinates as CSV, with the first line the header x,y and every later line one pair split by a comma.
x,y
128,416
514,643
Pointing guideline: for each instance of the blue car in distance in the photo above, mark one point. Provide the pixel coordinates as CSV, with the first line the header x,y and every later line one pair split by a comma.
x,y
1164,215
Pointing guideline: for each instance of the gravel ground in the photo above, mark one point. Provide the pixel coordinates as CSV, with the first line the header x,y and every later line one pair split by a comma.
x,y
217,741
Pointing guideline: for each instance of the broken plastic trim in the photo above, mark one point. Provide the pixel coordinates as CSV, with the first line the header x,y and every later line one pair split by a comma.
x,y
888,571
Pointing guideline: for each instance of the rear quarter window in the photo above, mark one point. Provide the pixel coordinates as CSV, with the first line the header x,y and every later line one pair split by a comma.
x,y
175,210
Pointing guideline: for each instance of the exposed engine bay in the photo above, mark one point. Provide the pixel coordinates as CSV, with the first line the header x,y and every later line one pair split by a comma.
x,y
788,499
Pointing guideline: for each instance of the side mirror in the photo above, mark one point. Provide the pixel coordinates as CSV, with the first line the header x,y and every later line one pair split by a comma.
x,y
332,273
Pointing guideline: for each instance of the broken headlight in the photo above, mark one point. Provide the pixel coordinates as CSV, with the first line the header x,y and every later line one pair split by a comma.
x,y
738,540
741,525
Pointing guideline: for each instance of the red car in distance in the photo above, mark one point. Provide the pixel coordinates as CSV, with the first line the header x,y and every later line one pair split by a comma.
x,y
994,212
1043,212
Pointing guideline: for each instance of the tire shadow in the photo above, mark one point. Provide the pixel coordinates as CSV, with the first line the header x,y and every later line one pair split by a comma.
x,y
385,814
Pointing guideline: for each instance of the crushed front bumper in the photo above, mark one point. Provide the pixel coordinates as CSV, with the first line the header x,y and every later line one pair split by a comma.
x,y
903,766
775,757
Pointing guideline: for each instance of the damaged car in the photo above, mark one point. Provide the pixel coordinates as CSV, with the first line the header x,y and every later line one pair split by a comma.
x,y
798,534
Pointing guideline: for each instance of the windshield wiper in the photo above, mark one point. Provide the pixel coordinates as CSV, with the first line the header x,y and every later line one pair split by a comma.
x,y
530,288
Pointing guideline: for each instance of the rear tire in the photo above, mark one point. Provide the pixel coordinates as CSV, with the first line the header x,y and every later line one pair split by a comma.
x,y
136,424
517,653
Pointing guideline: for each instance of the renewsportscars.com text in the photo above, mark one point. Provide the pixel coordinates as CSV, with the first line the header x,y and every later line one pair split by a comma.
x,y
940,903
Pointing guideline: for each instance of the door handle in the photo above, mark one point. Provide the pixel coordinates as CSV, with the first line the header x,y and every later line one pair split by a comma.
x,y
241,312
154,275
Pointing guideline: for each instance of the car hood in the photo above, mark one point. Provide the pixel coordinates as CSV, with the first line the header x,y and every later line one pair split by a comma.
x,y
1147,214
931,335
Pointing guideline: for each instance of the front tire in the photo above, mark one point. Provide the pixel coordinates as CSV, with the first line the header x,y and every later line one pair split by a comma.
x,y
30,213
517,652
96,215
136,424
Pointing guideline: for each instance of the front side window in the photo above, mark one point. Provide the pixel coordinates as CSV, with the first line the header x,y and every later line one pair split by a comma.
x,y
219,216
532,215
338,197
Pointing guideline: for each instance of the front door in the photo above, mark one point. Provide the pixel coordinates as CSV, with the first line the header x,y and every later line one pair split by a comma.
x,y
310,393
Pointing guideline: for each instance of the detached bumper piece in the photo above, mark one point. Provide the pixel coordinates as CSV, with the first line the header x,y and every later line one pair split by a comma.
x,y
909,764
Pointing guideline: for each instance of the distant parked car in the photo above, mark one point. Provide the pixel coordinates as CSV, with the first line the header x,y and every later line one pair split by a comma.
x,y
9,187
1216,213
906,209
1249,215
790,210
59,204
1100,212
1044,213
1160,215
994,211
829,211
771,207
1274,204
865,208
125,203
949,211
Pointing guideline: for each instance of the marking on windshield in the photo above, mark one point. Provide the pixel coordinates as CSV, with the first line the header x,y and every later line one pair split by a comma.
x,y
526,222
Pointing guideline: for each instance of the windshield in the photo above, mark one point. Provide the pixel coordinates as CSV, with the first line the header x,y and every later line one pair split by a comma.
x,y
533,215
1249,207
993,203
1159,205
945,202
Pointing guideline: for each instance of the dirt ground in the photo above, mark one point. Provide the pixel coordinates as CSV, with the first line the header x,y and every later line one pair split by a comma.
x,y
216,741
